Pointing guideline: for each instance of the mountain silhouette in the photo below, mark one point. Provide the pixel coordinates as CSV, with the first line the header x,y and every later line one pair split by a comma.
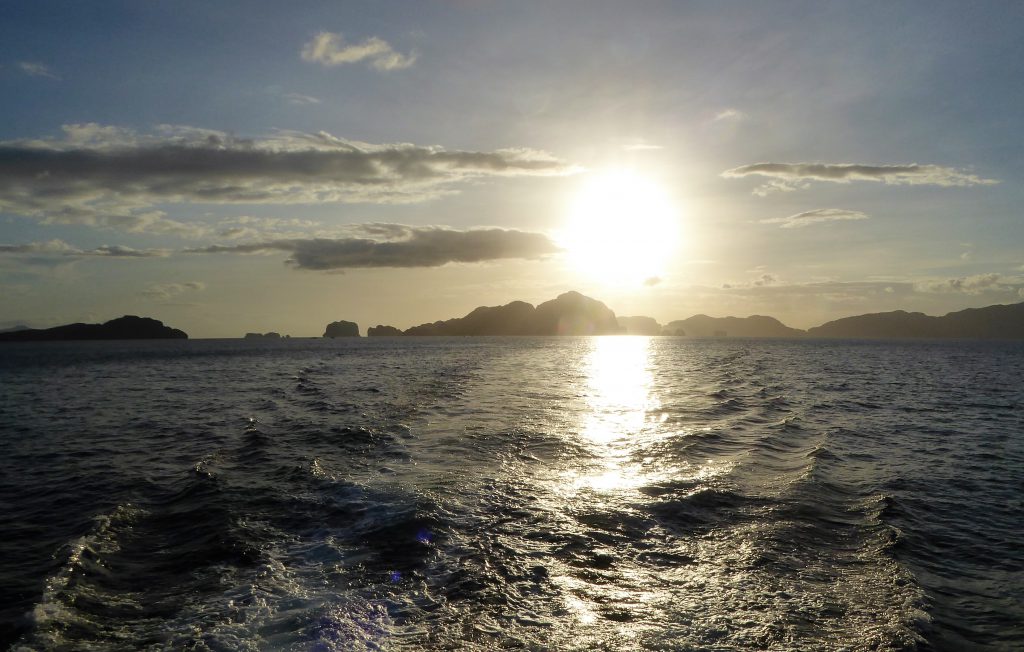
x,y
753,326
128,327
991,322
382,331
341,329
639,325
570,314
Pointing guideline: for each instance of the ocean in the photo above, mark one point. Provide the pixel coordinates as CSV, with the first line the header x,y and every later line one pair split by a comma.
x,y
607,493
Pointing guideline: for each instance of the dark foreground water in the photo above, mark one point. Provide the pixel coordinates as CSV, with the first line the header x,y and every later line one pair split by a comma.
x,y
613,493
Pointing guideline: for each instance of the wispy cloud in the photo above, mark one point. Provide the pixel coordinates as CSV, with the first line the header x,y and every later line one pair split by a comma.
x,y
791,176
291,97
730,115
874,290
976,284
166,291
398,245
816,216
63,249
117,251
37,69
762,280
113,177
299,99
330,49
269,228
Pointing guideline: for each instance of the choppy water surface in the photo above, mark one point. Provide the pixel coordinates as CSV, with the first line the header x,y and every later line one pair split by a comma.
x,y
612,493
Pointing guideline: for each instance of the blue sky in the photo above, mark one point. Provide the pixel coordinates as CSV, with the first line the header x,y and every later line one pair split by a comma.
x,y
227,167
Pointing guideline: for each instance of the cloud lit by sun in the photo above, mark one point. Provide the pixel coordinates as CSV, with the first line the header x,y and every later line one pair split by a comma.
x,y
621,229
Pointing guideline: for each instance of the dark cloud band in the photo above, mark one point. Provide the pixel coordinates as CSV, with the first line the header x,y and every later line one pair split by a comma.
x,y
61,248
417,247
107,176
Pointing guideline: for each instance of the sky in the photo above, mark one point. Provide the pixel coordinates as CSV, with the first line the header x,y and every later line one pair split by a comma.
x,y
233,167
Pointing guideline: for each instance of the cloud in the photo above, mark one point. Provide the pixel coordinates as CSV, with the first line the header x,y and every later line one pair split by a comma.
x,y
165,291
48,247
113,177
37,69
791,176
264,228
299,99
778,185
761,281
117,251
61,248
329,49
876,290
730,115
398,245
816,216
777,297
976,284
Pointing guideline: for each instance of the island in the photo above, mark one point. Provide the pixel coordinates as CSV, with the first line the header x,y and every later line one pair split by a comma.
x,y
639,325
989,323
753,326
382,331
573,313
128,327
342,329
570,314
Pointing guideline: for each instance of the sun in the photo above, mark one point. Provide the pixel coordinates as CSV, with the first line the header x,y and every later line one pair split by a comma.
x,y
621,229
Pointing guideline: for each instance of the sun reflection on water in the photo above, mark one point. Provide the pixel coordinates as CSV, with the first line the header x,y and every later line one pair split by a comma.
x,y
618,388
620,410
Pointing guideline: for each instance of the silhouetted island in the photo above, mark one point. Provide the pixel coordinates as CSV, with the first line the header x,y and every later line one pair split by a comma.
x,y
128,327
263,336
753,326
575,314
382,331
570,314
991,322
342,329
639,325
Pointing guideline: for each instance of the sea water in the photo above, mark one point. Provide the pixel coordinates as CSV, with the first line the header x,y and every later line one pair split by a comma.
x,y
615,493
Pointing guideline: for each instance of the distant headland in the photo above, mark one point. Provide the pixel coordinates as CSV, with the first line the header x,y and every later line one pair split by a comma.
x,y
128,327
572,313
569,314
1000,322
575,314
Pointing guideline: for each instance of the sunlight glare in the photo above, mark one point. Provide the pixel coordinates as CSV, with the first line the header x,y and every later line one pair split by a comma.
x,y
622,229
619,383
620,407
